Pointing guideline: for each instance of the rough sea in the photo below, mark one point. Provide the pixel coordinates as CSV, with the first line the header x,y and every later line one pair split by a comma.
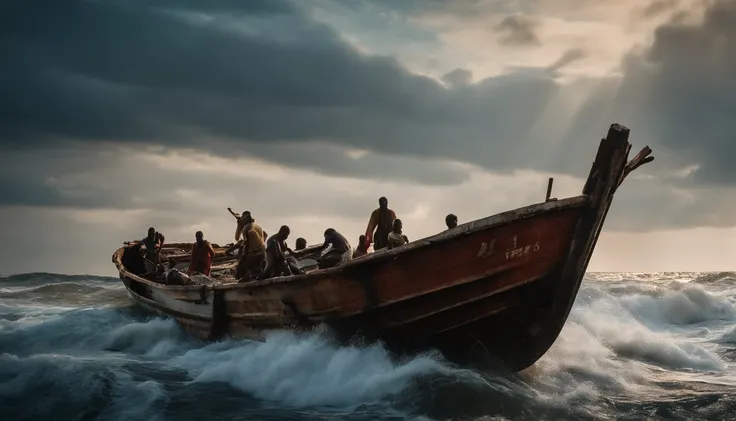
x,y
636,346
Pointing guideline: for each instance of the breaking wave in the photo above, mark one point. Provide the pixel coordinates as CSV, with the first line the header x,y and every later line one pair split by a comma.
x,y
636,346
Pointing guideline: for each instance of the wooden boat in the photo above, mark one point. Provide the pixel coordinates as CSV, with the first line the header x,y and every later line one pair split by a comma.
x,y
501,286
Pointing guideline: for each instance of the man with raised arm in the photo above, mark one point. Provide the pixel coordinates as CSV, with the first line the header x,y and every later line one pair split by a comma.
x,y
242,220
254,249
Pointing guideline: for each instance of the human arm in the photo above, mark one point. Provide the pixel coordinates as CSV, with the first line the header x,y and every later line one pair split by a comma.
x,y
328,241
391,217
238,232
210,249
161,240
372,222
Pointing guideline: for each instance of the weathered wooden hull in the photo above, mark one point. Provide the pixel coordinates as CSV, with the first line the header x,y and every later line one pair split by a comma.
x,y
499,287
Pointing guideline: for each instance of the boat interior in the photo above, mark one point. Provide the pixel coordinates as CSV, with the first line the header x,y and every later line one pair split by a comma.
x,y
223,265
311,259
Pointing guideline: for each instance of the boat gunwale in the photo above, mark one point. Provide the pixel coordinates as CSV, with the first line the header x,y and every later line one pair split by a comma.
x,y
467,228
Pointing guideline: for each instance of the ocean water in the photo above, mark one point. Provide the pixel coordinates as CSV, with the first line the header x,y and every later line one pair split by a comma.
x,y
636,346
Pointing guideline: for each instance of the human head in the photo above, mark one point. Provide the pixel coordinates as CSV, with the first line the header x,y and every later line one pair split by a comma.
x,y
383,203
329,231
284,232
398,225
199,236
151,232
301,243
361,239
451,221
247,216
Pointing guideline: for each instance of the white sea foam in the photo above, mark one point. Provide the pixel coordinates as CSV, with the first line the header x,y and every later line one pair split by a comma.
x,y
626,335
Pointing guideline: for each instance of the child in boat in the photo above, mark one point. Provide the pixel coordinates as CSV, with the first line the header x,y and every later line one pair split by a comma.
x,y
395,237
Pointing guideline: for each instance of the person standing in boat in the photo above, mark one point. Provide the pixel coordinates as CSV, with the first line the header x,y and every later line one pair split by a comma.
x,y
254,249
276,264
341,251
361,249
381,221
396,238
451,221
242,220
202,255
154,242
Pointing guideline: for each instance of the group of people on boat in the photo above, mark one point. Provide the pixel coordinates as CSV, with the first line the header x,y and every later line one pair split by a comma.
x,y
261,256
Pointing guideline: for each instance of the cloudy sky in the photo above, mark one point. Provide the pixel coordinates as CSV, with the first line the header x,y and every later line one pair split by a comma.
x,y
116,115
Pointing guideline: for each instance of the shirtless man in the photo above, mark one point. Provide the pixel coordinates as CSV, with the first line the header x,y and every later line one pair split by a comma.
x,y
202,255
381,221
154,242
341,250
254,249
276,264
396,238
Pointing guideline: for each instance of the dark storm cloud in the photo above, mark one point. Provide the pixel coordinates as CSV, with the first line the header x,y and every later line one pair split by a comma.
x,y
180,73
680,94
256,72
458,78
518,30
111,178
657,8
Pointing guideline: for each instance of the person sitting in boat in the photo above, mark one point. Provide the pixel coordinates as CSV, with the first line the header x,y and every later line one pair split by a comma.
x,y
202,255
451,221
361,249
173,276
301,244
254,255
381,221
340,252
153,242
396,238
276,262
